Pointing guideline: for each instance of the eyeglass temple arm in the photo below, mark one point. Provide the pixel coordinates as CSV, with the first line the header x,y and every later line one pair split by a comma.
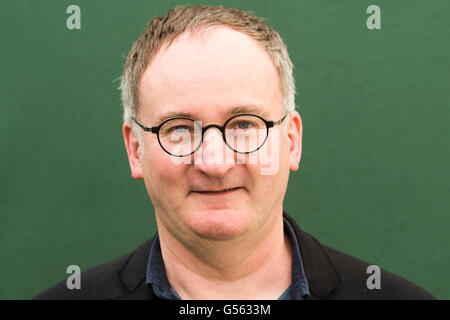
x,y
270,124
149,129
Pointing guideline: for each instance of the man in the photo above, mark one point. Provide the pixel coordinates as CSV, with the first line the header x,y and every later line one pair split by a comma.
x,y
210,125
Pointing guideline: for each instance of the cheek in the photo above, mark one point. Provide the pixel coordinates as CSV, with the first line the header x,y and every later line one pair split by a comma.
x,y
162,176
273,156
271,174
156,162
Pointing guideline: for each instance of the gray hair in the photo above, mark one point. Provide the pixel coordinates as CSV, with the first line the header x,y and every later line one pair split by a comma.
x,y
163,30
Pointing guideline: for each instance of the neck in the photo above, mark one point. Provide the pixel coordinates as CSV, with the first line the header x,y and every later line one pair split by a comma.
x,y
257,267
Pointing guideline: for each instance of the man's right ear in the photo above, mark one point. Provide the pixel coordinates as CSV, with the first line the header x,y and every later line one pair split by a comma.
x,y
132,146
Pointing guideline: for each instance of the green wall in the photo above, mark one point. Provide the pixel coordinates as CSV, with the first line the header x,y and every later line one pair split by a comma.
x,y
374,177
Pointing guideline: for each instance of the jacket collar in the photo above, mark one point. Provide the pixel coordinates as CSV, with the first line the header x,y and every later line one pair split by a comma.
x,y
321,274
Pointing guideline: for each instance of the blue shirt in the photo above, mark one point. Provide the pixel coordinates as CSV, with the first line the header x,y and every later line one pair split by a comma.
x,y
157,278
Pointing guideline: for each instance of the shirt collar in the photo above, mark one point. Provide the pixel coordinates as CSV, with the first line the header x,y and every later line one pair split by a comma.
x,y
156,273
299,286
157,279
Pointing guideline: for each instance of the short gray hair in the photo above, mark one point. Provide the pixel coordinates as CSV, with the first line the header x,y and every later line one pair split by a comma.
x,y
163,30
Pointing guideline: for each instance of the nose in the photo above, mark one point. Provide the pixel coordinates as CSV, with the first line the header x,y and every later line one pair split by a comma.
x,y
214,157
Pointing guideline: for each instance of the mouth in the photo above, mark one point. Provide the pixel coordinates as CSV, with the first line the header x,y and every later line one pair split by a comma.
x,y
218,192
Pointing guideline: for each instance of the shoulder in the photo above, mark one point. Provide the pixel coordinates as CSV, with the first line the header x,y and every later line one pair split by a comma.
x,y
105,281
355,275
332,274
361,281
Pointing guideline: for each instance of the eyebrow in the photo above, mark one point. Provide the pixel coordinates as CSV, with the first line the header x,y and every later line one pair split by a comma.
x,y
241,109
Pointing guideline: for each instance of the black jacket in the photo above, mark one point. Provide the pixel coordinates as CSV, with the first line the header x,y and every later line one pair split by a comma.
x,y
331,274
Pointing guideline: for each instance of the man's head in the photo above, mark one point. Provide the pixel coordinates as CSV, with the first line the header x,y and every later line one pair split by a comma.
x,y
208,63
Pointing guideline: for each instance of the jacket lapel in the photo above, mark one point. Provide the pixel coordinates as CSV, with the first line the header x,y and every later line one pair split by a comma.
x,y
133,274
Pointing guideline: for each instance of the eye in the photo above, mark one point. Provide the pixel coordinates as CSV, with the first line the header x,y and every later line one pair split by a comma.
x,y
180,129
242,124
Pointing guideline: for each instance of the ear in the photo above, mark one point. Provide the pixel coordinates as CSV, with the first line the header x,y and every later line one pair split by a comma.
x,y
295,130
132,146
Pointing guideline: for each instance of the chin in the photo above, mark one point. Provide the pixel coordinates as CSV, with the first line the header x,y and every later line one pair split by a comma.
x,y
219,224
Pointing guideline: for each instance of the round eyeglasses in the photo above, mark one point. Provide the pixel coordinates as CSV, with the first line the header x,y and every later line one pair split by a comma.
x,y
243,133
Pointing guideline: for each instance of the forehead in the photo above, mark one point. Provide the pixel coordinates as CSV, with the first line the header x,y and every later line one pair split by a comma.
x,y
209,72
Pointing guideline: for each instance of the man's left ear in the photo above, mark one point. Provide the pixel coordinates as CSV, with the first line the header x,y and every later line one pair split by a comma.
x,y
295,130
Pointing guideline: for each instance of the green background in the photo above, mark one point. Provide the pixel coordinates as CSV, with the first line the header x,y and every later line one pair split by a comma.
x,y
374,176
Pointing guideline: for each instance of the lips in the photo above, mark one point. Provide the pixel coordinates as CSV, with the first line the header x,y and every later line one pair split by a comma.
x,y
222,191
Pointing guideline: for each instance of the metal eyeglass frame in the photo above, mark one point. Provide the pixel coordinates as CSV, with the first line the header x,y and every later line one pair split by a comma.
x,y
269,124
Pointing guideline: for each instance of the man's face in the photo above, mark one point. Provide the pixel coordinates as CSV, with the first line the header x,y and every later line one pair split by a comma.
x,y
206,76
